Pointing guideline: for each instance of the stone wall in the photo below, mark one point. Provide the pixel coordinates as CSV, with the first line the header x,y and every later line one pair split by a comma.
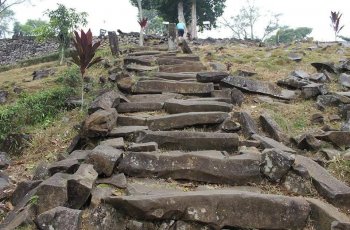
x,y
14,50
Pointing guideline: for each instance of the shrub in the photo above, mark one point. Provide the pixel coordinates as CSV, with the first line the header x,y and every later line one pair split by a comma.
x,y
70,77
32,109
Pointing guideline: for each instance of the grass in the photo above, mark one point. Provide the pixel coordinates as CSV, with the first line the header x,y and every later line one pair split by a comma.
x,y
341,169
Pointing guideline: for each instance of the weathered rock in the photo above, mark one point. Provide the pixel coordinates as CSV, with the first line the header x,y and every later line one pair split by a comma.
x,y
126,131
230,126
270,126
233,209
52,192
338,138
205,166
191,140
60,218
217,66
297,184
64,166
141,68
143,147
237,97
334,118
295,57
4,182
131,120
133,107
117,143
100,123
182,120
19,219
79,186
3,96
125,84
191,88
321,66
317,118
186,106
276,164
330,154
244,73
248,125
22,189
41,171
145,53
106,101
185,67
118,180
344,80
100,192
300,74
103,217
104,158
15,143
260,87
4,160
308,142
156,98
293,82
328,186
272,144
313,90
140,60
319,77
40,74
176,76
323,214
214,77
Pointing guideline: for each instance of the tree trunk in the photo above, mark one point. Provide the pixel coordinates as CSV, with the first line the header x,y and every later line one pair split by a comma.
x,y
180,13
62,55
194,19
141,17
251,31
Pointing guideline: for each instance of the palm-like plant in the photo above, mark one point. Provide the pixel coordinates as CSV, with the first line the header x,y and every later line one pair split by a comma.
x,y
335,19
84,56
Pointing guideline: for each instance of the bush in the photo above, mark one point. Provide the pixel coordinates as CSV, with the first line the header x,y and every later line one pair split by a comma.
x,y
32,109
70,77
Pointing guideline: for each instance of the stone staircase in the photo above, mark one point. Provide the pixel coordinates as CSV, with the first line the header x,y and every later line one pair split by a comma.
x,y
179,153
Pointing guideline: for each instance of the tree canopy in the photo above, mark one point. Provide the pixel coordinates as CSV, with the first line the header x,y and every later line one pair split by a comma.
x,y
29,28
288,35
207,10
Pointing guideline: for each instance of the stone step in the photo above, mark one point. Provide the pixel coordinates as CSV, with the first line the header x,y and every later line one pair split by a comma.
x,y
137,120
176,76
126,131
186,106
177,59
192,141
261,87
214,77
328,186
141,68
219,209
185,67
158,98
145,53
203,166
142,87
270,143
182,120
140,60
134,107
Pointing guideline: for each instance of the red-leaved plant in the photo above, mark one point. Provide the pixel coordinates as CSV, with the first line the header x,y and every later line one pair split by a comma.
x,y
143,22
84,55
335,19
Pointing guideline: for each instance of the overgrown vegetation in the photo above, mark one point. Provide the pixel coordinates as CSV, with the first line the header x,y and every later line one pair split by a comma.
x,y
32,109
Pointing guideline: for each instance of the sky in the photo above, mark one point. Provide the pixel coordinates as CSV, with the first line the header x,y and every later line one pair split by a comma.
x,y
120,14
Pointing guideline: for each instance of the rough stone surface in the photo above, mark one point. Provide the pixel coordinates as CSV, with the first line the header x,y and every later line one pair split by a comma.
x,y
100,123
117,143
298,185
126,131
182,120
230,126
272,144
248,125
260,87
323,214
143,147
118,180
276,164
104,158
214,77
186,106
191,88
308,142
124,120
233,209
176,76
270,126
313,90
344,80
156,98
79,186
60,218
205,166
328,186
4,160
185,67
3,96
22,189
321,66
338,138
64,166
133,107
191,140
106,101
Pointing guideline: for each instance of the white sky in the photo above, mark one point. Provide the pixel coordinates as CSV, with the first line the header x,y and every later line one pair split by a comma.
x,y
119,14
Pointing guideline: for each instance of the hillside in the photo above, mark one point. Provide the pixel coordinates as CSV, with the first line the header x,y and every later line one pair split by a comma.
x,y
233,136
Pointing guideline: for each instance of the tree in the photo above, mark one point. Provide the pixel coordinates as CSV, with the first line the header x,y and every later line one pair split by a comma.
x,y
194,19
243,25
63,21
6,17
335,23
85,53
155,22
29,28
289,35
6,4
171,10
